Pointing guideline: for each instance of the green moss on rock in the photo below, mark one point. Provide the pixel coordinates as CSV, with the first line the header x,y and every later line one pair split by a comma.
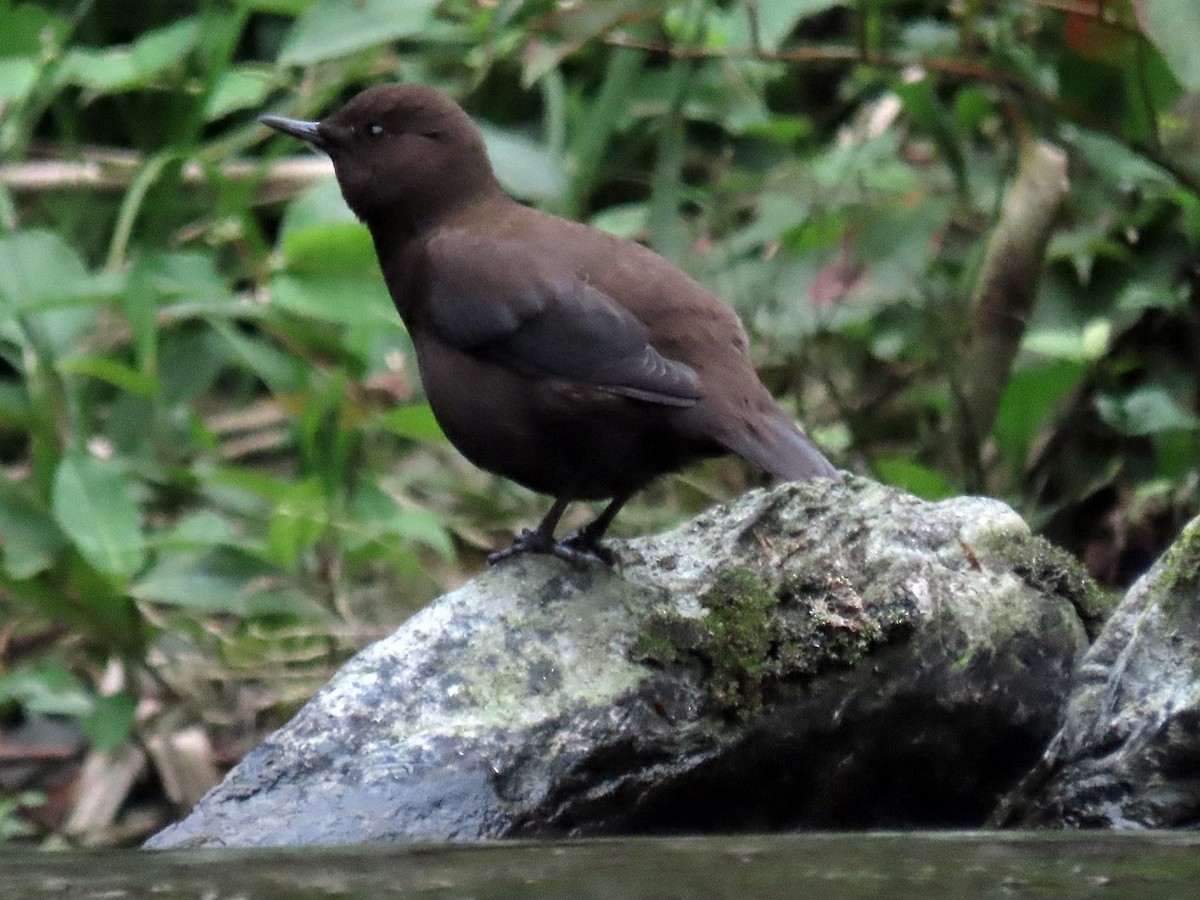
x,y
1179,583
755,636
1052,570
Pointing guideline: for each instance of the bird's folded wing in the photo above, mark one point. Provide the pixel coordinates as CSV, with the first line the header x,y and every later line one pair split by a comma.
x,y
486,299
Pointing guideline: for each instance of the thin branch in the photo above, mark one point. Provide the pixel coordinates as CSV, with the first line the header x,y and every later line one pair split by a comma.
x,y
107,171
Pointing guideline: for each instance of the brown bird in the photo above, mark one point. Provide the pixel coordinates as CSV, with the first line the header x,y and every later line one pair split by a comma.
x,y
570,361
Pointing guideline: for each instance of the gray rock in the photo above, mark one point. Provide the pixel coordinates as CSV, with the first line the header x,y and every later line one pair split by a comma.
x,y
817,655
1128,753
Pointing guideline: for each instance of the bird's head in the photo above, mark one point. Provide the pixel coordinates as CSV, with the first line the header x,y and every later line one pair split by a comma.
x,y
403,153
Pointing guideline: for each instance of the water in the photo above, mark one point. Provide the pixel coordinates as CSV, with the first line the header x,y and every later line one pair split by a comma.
x,y
1145,866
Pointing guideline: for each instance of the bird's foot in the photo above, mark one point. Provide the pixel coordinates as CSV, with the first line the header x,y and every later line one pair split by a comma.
x,y
583,543
527,541
577,549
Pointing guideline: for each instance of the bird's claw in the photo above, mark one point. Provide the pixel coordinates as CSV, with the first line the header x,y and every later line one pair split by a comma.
x,y
583,543
577,549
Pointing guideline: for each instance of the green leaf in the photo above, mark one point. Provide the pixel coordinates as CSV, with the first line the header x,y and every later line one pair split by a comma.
x,y
523,166
29,538
1174,28
331,28
1141,295
913,477
198,530
45,689
162,48
17,77
27,259
378,518
776,20
112,371
222,580
281,371
1144,411
102,71
118,69
298,523
110,721
1028,398
321,236
343,299
1118,163
414,421
242,87
94,506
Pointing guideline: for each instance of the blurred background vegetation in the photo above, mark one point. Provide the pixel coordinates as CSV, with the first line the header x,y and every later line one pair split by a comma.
x,y
219,477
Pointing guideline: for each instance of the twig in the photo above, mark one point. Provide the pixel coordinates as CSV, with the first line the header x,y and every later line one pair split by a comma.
x,y
1004,296
117,171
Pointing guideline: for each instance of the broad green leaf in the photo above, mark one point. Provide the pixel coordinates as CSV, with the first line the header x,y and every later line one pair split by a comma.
x,y
222,580
321,236
345,299
42,271
102,71
321,204
17,77
110,720
196,531
1118,163
1174,27
912,477
627,220
523,166
414,421
335,248
117,69
776,19
1140,295
1028,398
45,689
332,28
378,518
243,87
1144,411
165,47
29,538
94,506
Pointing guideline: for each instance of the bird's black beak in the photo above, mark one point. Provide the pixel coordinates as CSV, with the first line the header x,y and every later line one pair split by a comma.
x,y
306,131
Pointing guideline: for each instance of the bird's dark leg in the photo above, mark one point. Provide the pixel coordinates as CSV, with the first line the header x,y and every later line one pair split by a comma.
x,y
541,539
587,539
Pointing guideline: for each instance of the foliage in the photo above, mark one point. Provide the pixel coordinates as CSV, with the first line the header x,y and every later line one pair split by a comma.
x,y
213,441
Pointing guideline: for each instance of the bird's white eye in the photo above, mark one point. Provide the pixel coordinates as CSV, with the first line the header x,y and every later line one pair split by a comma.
x,y
374,129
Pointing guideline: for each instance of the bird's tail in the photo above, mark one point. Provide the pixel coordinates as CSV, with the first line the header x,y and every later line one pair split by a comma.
x,y
778,447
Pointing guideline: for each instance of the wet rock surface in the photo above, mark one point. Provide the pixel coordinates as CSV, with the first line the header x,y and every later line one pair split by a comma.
x,y
813,656
1128,753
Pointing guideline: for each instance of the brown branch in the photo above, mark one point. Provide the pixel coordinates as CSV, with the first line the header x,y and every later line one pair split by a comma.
x,y
115,171
1004,295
